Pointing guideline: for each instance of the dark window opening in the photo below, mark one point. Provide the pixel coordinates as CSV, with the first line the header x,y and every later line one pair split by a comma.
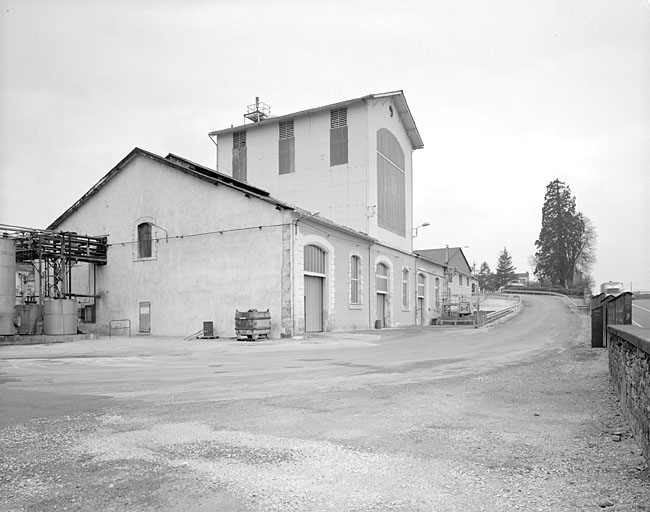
x,y
145,241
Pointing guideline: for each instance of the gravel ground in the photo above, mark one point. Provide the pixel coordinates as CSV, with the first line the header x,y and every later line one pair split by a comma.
x,y
547,436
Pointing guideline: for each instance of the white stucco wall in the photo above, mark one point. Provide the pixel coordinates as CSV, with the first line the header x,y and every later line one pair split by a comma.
x,y
339,193
379,117
198,274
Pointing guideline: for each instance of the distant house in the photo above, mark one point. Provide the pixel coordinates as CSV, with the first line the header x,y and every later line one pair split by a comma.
x,y
522,278
458,273
309,215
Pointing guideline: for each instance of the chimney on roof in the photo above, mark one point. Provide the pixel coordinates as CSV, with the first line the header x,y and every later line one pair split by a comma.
x,y
258,111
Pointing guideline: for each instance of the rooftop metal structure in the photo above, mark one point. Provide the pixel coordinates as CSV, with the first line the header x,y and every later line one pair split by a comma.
x,y
258,111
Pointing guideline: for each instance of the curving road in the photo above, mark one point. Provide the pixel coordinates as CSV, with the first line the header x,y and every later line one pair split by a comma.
x,y
508,417
155,370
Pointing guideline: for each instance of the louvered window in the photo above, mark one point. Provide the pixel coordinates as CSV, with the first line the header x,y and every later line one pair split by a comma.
x,y
286,148
381,277
391,183
338,136
239,155
314,260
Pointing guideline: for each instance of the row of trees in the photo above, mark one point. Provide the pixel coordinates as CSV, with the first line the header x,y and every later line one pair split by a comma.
x,y
565,248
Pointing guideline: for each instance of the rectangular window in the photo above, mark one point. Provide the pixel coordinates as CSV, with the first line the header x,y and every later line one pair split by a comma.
x,y
286,148
405,289
381,278
239,156
355,263
338,136
420,286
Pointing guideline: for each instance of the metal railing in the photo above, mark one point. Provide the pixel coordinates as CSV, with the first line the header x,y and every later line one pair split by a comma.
x,y
110,326
567,299
495,315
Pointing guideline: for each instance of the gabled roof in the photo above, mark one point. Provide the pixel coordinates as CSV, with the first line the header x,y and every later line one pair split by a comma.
x,y
179,164
451,257
398,97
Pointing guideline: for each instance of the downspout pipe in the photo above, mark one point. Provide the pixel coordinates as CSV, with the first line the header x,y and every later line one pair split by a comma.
x,y
370,272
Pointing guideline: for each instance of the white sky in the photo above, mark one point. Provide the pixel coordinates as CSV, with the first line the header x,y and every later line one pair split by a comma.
x,y
507,94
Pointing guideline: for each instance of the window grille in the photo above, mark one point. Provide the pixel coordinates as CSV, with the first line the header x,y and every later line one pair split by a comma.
x,y
405,288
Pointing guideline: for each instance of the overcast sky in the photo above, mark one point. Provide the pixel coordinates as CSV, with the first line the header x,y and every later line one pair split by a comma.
x,y
508,95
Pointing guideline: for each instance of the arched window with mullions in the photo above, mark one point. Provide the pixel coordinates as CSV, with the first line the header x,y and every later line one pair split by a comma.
x,y
145,240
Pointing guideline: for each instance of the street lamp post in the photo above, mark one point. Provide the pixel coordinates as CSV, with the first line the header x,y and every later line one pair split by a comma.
x,y
415,229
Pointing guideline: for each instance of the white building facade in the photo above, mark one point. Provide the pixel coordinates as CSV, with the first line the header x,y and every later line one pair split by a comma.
x,y
309,215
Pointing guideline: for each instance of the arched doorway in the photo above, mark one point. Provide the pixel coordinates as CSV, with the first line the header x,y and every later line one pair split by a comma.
x,y
314,271
381,277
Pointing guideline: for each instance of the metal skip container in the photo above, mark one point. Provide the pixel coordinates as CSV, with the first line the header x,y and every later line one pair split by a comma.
x,y
60,316
251,324
7,286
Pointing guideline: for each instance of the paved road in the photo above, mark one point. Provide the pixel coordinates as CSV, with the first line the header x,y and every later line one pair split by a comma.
x,y
641,313
172,371
509,417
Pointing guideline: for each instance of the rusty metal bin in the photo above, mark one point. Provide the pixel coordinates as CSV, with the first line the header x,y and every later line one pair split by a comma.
x,y
251,324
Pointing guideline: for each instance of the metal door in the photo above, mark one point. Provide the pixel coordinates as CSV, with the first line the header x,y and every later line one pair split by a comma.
x,y
313,303
145,317
381,309
421,310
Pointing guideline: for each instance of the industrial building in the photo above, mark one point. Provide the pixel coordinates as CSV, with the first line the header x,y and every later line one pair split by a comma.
x,y
307,215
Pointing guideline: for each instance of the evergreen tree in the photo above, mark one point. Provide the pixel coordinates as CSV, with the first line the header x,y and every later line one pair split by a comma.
x,y
567,239
485,277
505,269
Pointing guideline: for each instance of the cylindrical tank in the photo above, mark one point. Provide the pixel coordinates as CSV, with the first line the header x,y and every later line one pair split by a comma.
x,y
29,315
60,316
7,286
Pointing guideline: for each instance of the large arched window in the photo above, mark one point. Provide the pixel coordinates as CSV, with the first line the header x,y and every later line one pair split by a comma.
x,y
391,183
145,240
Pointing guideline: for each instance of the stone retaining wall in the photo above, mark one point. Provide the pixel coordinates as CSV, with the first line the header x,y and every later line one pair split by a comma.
x,y
629,366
